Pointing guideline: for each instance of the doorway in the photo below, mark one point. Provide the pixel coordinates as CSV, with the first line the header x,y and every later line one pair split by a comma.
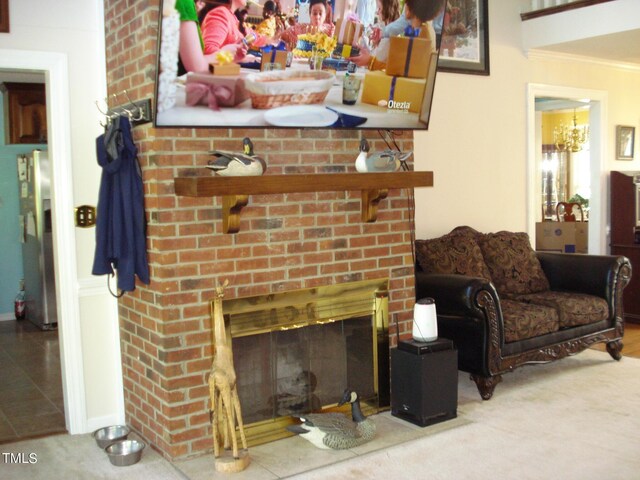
x,y
55,70
31,398
595,103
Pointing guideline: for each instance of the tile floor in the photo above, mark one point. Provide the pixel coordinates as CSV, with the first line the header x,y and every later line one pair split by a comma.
x,y
31,402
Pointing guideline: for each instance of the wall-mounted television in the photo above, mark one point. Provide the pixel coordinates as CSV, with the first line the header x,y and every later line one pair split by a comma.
x,y
304,75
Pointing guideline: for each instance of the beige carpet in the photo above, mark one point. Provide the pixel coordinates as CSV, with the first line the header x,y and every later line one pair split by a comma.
x,y
578,418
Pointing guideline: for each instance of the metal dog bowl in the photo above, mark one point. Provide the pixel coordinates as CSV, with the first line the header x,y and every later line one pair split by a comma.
x,y
125,452
108,435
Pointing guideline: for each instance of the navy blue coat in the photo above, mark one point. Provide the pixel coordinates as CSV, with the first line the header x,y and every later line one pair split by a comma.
x,y
120,220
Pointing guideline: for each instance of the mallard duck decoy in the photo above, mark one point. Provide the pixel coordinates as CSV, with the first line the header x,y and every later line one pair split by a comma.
x,y
236,164
334,430
386,161
361,160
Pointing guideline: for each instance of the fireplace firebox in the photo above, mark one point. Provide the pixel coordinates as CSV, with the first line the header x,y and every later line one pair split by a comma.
x,y
295,352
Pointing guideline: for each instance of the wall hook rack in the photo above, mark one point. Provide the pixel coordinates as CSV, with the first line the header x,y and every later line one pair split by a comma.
x,y
138,111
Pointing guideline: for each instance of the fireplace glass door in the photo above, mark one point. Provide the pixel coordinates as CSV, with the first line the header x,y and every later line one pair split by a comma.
x,y
301,370
296,352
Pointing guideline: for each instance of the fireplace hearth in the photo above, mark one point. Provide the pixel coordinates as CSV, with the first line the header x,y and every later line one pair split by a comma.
x,y
295,352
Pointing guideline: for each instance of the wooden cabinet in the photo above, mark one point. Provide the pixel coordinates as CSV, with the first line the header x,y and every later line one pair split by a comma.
x,y
624,202
25,113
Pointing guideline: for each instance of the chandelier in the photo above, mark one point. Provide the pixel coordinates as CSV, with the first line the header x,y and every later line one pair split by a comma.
x,y
570,139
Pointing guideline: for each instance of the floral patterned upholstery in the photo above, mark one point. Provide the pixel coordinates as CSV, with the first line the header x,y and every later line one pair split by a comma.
x,y
512,263
517,319
573,308
455,253
522,320
467,231
529,307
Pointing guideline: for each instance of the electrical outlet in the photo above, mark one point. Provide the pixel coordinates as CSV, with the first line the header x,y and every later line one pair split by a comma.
x,y
85,216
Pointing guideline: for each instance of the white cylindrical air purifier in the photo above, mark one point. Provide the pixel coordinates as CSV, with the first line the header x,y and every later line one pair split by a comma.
x,y
425,322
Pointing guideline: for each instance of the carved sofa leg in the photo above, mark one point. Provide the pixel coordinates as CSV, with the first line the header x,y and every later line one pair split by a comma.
x,y
615,349
486,385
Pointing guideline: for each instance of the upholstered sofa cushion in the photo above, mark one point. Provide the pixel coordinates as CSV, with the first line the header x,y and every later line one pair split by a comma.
x,y
454,253
467,231
524,320
512,264
573,308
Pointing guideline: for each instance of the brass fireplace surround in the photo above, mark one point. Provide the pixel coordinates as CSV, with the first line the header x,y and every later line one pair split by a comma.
x,y
312,307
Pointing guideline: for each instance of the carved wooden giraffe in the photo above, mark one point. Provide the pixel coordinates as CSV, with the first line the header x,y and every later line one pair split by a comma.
x,y
225,404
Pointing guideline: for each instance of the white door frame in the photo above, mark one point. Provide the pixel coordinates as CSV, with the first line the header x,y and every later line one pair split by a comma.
x,y
55,68
599,204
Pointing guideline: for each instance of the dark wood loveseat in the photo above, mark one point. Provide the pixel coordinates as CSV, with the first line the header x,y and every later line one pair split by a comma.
x,y
505,305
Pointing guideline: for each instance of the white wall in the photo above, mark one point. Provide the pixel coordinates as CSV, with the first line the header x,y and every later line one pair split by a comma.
x,y
75,28
476,144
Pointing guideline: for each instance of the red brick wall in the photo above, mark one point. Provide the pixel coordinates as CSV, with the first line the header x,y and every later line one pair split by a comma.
x,y
285,242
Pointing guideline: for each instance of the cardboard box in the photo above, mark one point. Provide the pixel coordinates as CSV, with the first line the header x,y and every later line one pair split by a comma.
x,y
339,65
346,51
199,88
411,57
273,60
348,32
403,93
566,237
226,69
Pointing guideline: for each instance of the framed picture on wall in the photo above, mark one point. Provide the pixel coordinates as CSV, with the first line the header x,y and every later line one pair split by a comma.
x,y
4,16
464,47
625,140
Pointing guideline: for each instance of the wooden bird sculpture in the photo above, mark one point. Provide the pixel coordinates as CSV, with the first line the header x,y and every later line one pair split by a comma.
x,y
385,161
335,430
237,164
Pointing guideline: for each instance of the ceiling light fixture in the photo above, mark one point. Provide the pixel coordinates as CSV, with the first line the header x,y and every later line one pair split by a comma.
x,y
570,139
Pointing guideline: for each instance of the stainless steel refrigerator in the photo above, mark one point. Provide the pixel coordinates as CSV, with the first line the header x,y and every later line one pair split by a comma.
x,y
36,237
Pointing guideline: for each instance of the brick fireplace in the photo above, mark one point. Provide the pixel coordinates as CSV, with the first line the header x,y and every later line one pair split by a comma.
x,y
286,242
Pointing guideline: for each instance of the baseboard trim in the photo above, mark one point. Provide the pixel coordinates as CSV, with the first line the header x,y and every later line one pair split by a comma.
x,y
5,317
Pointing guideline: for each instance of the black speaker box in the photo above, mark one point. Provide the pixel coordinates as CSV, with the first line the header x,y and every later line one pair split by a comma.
x,y
424,383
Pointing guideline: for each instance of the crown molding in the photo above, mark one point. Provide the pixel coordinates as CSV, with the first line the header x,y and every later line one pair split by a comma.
x,y
534,53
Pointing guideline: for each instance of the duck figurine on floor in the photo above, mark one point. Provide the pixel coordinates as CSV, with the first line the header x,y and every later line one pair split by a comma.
x,y
386,161
334,430
236,164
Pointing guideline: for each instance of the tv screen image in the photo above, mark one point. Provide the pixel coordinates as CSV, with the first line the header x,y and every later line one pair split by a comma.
x,y
302,73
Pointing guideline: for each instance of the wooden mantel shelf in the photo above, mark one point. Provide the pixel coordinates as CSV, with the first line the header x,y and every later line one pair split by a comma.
x,y
236,190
